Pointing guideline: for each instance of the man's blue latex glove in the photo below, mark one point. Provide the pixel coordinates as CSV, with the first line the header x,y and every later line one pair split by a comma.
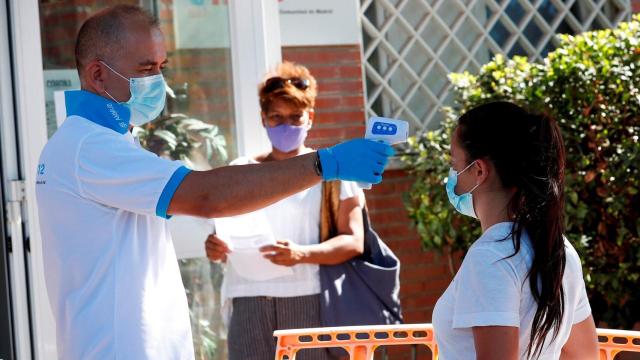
x,y
355,160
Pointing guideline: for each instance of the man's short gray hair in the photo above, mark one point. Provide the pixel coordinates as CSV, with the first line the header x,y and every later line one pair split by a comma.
x,y
103,35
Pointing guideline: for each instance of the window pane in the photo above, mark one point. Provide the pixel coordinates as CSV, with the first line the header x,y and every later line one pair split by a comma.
x,y
429,39
197,37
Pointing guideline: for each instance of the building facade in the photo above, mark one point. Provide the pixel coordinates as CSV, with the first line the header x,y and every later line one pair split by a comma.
x,y
371,57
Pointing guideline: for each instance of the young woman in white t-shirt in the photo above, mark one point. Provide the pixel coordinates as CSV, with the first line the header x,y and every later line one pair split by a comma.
x,y
287,100
519,293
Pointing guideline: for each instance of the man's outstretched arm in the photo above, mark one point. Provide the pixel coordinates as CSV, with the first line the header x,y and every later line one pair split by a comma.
x,y
234,190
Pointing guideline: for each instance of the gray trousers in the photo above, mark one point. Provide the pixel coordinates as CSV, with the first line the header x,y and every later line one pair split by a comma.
x,y
254,319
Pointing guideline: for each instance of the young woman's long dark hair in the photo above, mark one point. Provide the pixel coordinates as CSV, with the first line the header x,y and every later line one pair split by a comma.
x,y
528,153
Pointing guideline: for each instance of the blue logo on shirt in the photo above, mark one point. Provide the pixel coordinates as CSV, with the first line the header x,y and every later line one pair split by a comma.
x,y
40,169
116,116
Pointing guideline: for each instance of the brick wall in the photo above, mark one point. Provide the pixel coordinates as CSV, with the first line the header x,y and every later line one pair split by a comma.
x,y
340,103
635,6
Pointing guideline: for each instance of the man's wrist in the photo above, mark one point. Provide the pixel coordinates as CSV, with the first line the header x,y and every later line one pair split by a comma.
x,y
318,165
328,164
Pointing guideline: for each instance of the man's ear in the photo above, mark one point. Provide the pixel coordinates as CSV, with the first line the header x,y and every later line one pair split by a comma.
x,y
93,76
263,117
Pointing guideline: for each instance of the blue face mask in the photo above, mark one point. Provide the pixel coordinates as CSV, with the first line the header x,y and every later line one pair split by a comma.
x,y
148,95
463,203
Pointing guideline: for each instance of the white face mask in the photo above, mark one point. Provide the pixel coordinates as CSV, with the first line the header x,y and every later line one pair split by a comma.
x,y
148,96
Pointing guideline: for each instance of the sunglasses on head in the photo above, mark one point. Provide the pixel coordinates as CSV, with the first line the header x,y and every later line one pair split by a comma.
x,y
275,83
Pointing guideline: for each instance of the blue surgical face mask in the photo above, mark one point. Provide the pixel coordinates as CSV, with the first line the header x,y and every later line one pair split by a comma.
x,y
148,95
463,203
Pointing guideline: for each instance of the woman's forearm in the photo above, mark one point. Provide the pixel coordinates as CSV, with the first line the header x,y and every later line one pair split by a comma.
x,y
333,251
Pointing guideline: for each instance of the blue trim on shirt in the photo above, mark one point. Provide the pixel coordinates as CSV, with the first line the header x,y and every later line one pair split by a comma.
x,y
98,109
169,190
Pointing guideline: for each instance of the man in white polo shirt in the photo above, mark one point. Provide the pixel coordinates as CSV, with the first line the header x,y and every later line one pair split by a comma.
x,y
111,270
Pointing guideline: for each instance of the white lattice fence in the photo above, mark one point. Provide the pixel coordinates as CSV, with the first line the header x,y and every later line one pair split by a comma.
x,y
410,46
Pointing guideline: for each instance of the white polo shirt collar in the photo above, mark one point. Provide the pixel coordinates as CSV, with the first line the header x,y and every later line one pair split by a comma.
x,y
98,109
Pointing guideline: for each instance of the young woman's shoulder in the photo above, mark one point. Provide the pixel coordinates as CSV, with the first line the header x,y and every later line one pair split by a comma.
x,y
496,245
573,264
499,239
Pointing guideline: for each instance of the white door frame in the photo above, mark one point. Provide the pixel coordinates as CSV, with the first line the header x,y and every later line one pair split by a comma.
x,y
255,49
28,93
255,39
18,296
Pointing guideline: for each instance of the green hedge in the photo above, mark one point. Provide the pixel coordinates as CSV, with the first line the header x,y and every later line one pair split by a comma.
x,y
591,85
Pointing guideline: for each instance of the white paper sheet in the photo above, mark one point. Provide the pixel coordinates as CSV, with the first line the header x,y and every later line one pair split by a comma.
x,y
245,235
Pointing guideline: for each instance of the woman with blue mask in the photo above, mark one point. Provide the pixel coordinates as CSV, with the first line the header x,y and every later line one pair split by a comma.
x,y
287,99
519,293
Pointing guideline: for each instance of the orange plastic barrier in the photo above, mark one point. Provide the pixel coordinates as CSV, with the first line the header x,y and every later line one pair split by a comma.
x,y
613,342
361,341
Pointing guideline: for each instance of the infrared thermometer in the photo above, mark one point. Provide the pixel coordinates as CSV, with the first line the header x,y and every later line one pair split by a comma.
x,y
389,131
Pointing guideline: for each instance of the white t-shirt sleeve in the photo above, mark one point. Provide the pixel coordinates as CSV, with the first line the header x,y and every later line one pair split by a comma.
x,y
350,189
116,173
487,292
582,308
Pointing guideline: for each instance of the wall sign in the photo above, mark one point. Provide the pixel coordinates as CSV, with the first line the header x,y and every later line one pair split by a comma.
x,y
201,24
319,22
204,24
56,81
